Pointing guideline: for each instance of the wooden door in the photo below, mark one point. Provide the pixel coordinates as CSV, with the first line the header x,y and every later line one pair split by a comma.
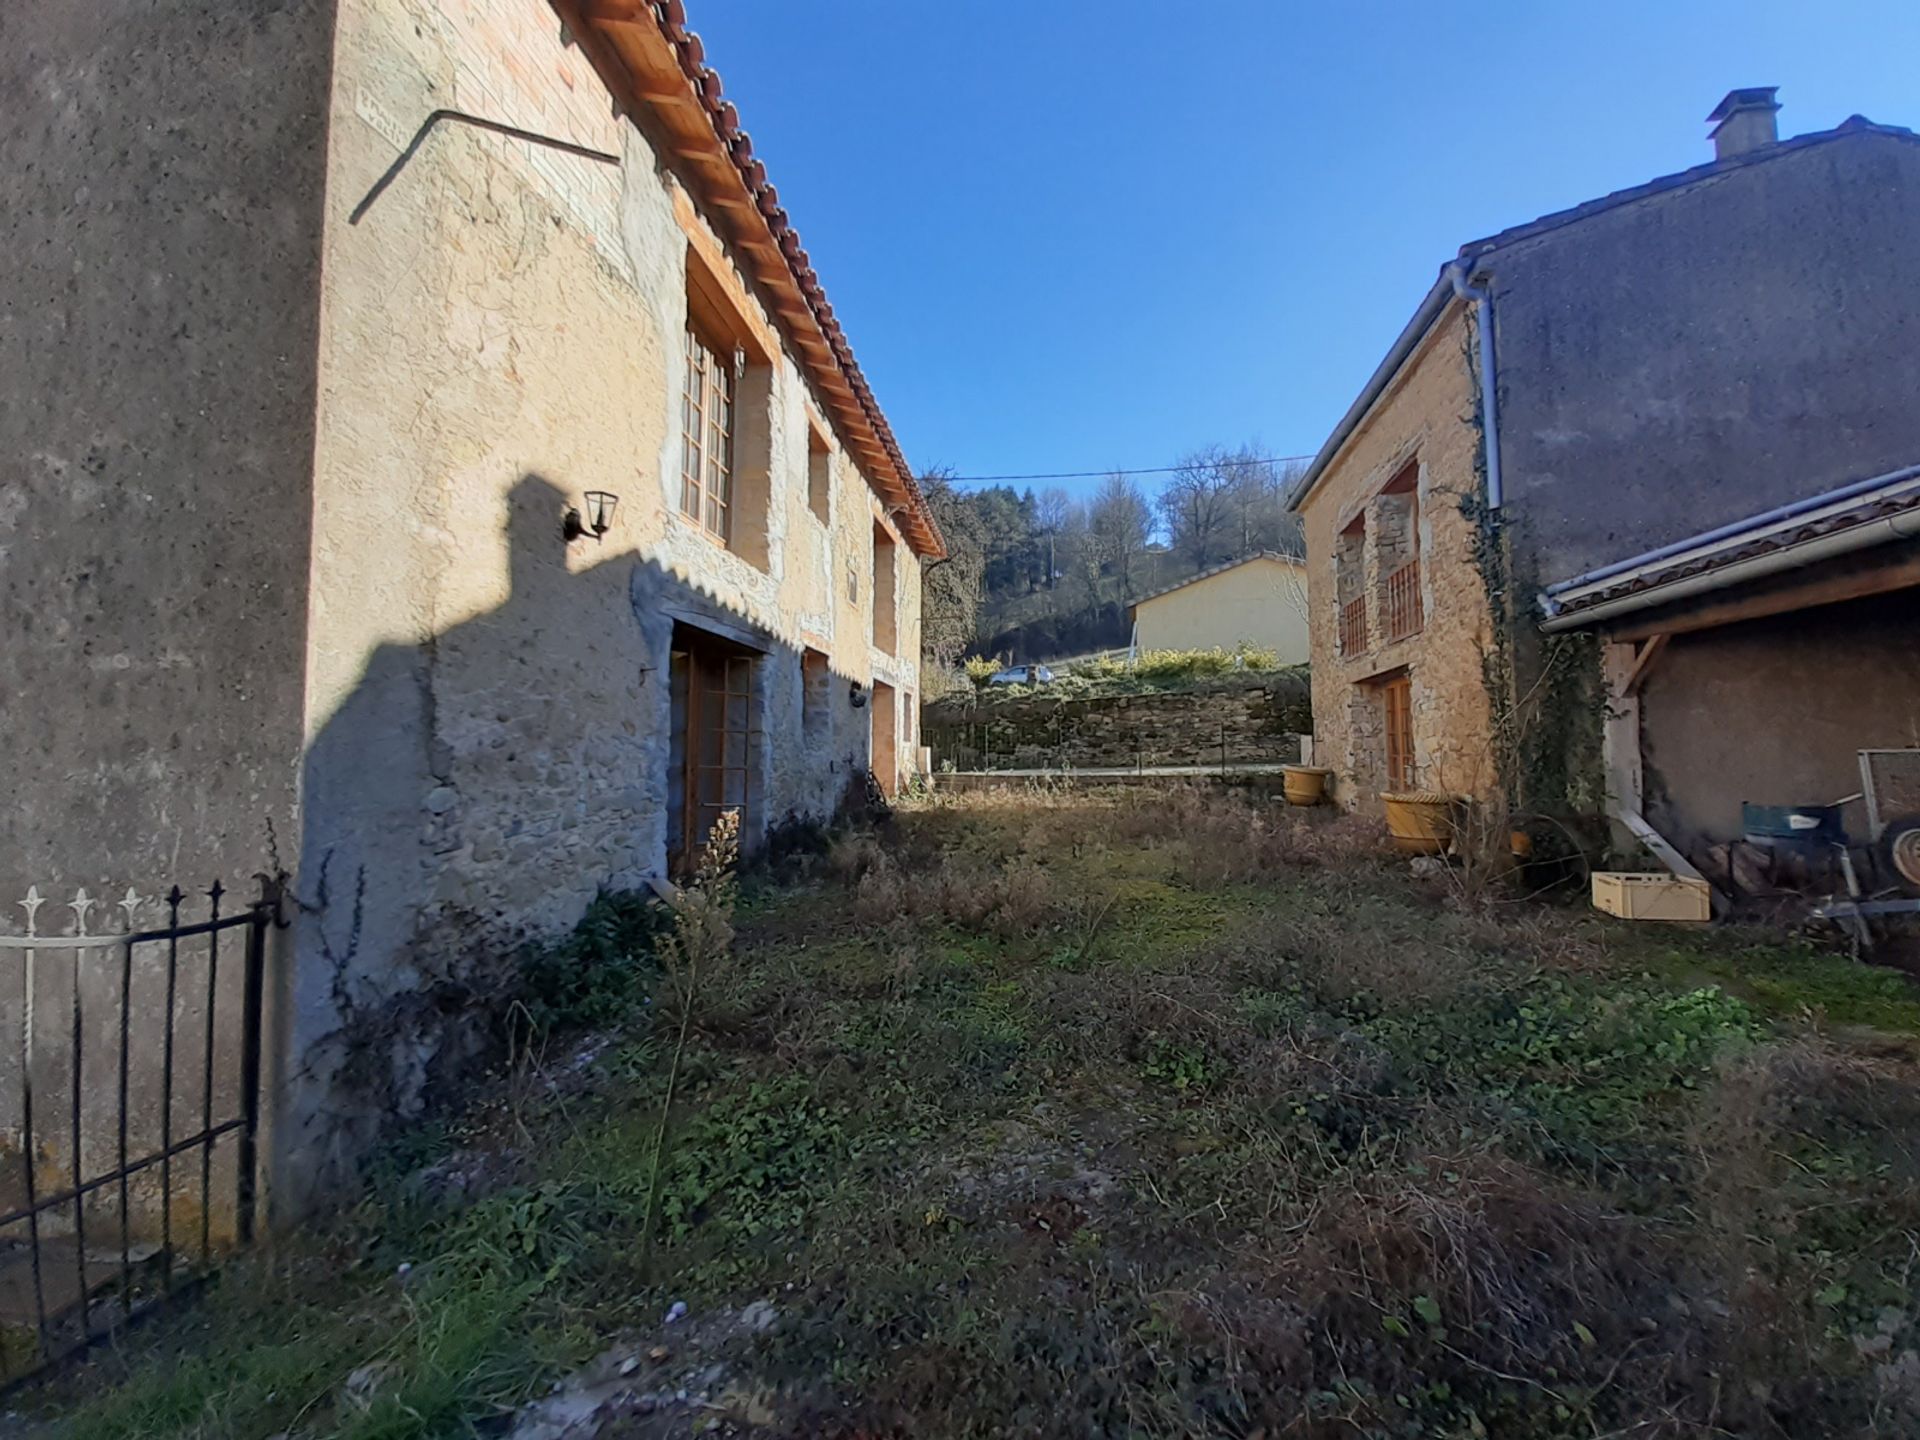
x,y
885,746
1396,696
716,745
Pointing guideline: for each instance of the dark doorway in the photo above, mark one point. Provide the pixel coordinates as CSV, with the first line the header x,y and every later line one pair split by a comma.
x,y
714,730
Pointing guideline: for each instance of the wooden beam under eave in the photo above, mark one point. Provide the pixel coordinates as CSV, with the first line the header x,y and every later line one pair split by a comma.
x,y
1643,662
1848,584
615,12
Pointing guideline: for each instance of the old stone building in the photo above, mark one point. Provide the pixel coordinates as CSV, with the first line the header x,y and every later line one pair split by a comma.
x,y
432,468
1399,619
1639,397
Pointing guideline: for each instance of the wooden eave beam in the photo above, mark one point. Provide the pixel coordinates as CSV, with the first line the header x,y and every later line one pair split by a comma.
x,y
1852,584
615,12
1643,662
635,59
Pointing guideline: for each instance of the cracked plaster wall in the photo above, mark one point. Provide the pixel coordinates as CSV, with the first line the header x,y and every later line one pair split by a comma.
x,y
487,708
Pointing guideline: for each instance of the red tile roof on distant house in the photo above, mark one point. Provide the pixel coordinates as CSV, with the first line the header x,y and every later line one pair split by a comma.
x,y
653,62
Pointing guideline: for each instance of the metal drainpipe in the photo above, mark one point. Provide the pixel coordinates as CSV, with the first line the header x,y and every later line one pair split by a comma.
x,y
1482,298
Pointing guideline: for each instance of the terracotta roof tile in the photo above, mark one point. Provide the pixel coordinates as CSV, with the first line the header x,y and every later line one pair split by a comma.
x,y
671,18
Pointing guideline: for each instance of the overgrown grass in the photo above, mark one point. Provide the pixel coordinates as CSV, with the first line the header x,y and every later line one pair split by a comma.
x,y
1147,1114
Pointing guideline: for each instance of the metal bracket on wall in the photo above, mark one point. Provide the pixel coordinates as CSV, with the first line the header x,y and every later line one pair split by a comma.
x,y
512,132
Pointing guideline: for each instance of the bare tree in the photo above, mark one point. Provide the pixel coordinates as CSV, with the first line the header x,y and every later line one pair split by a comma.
x,y
1119,522
951,588
1052,509
1198,506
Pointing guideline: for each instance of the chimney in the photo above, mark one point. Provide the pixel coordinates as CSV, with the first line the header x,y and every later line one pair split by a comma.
x,y
1743,122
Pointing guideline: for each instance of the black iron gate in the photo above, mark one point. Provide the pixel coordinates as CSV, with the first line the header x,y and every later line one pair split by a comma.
x,y
132,1097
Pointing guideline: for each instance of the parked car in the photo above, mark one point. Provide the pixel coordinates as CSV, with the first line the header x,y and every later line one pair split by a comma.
x,y
1022,675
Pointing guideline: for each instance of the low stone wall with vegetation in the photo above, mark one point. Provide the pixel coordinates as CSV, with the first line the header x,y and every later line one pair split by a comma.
x,y
1251,718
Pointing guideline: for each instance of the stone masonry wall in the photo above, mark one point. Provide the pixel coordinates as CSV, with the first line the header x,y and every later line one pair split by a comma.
x,y
1424,416
489,706
1255,723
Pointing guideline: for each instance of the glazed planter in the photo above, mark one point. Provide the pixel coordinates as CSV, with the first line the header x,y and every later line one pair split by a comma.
x,y
1420,822
1304,784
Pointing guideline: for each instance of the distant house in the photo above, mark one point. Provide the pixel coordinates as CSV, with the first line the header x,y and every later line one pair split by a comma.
x,y
1626,519
1260,601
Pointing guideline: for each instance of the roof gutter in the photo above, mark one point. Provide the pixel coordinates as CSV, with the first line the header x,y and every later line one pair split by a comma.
x,y
1904,526
1454,282
1791,510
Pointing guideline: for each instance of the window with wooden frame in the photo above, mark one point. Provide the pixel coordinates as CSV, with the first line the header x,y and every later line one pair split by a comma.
x,y
1398,540
1396,701
706,434
885,606
1350,597
819,474
816,677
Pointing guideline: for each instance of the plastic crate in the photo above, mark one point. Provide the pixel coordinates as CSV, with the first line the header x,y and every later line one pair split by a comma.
x,y
1634,896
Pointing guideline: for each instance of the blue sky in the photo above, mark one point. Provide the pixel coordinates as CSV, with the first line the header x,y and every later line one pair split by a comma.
x,y
1080,234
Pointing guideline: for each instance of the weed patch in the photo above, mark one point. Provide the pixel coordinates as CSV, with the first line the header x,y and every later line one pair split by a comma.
x,y
1182,1115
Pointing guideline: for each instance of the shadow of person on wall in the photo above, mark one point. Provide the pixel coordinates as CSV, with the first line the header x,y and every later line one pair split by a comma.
x,y
476,788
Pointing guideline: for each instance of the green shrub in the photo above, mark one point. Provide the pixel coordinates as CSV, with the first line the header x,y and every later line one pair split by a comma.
x,y
599,973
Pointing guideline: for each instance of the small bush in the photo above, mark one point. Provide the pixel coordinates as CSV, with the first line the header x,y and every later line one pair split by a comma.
x,y
599,973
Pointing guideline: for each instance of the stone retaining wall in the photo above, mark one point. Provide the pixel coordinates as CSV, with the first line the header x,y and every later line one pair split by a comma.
x,y
1231,722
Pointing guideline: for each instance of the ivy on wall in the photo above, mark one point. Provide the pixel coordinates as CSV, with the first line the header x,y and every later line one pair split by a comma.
x,y
1545,693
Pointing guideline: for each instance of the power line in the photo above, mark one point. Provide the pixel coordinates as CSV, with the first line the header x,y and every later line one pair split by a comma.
x,y
1148,470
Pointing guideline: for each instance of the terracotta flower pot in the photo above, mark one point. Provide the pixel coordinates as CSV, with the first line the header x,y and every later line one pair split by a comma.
x,y
1420,822
1304,784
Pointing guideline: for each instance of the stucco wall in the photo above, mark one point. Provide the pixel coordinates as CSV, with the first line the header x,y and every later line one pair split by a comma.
x,y
489,708
1696,357
1421,416
1808,691
1261,603
160,178
160,172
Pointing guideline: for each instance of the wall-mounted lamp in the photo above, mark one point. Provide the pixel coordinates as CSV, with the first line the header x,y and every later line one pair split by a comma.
x,y
599,517
739,361
856,696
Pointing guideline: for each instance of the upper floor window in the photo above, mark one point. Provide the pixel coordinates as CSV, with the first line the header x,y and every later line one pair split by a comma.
x,y
819,475
706,436
1350,595
885,621
1397,541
